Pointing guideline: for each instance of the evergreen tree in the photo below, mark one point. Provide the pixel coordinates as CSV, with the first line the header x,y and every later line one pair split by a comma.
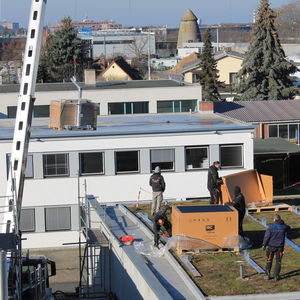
x,y
63,56
209,73
265,72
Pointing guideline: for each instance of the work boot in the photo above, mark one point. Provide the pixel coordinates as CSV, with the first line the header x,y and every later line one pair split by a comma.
x,y
267,276
277,278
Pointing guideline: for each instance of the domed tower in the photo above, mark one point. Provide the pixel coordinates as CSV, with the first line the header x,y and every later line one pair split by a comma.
x,y
189,29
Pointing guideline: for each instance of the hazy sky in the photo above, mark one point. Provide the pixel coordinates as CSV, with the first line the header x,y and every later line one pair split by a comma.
x,y
137,12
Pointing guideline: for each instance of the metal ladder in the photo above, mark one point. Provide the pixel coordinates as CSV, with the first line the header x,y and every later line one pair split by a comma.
x,y
24,112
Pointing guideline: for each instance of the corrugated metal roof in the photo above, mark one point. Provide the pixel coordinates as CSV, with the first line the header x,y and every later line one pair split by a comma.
x,y
260,111
132,125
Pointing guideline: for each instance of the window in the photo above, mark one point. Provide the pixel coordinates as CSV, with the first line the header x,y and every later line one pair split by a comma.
x,y
29,166
231,156
127,161
286,131
273,131
164,158
27,220
41,111
233,78
283,131
123,108
294,133
196,158
56,165
91,163
176,106
11,112
57,218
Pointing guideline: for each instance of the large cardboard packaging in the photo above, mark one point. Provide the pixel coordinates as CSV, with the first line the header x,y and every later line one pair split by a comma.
x,y
256,188
214,224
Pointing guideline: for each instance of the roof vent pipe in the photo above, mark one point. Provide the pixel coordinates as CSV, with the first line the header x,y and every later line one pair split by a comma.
x,y
73,79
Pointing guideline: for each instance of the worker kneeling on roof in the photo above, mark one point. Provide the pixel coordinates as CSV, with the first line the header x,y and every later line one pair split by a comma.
x,y
160,220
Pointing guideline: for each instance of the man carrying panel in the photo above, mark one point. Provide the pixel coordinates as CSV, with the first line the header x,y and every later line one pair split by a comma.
x,y
273,243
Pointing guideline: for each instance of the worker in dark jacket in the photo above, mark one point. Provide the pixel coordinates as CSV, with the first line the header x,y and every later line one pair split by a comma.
x,y
240,206
273,243
161,220
158,185
214,182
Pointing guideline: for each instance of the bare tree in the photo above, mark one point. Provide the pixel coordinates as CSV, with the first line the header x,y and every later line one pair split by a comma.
x,y
289,22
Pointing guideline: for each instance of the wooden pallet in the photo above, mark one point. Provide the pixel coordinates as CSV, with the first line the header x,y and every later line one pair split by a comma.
x,y
271,208
200,250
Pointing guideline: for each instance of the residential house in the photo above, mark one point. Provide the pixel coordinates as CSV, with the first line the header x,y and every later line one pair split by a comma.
x,y
119,69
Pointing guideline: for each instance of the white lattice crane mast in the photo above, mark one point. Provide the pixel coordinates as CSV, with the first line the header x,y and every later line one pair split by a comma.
x,y
15,184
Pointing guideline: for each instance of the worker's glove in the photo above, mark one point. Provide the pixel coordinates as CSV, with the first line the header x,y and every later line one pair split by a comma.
x,y
264,247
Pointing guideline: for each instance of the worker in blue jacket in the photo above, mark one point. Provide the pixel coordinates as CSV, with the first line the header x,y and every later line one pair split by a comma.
x,y
273,243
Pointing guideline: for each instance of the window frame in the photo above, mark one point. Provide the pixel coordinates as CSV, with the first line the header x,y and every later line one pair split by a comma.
x,y
197,147
91,174
57,175
177,105
70,219
232,145
8,156
164,170
127,172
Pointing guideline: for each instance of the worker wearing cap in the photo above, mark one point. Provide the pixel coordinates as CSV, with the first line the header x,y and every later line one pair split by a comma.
x,y
158,185
214,182
273,243
160,220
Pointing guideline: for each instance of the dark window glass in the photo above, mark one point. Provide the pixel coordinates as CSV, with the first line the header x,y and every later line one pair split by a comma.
x,y
294,133
116,108
140,107
164,158
41,111
56,165
283,131
91,163
127,161
11,112
273,131
164,106
187,105
196,158
231,156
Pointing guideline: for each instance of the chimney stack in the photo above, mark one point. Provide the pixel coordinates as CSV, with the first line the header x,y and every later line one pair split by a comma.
x,y
206,107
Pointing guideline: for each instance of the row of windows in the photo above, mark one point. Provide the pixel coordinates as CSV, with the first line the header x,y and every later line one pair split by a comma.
x,y
286,131
122,108
92,163
56,218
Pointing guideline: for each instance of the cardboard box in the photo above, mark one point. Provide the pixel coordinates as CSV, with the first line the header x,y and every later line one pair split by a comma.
x,y
215,224
256,188
64,113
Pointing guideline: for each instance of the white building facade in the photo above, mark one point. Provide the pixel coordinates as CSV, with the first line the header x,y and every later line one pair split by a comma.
x,y
116,162
134,97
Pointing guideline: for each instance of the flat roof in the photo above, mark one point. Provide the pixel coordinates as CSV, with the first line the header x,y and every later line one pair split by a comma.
x,y
68,86
132,125
274,146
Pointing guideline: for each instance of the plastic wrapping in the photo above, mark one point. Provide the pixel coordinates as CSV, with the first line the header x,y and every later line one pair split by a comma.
x,y
147,248
237,241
